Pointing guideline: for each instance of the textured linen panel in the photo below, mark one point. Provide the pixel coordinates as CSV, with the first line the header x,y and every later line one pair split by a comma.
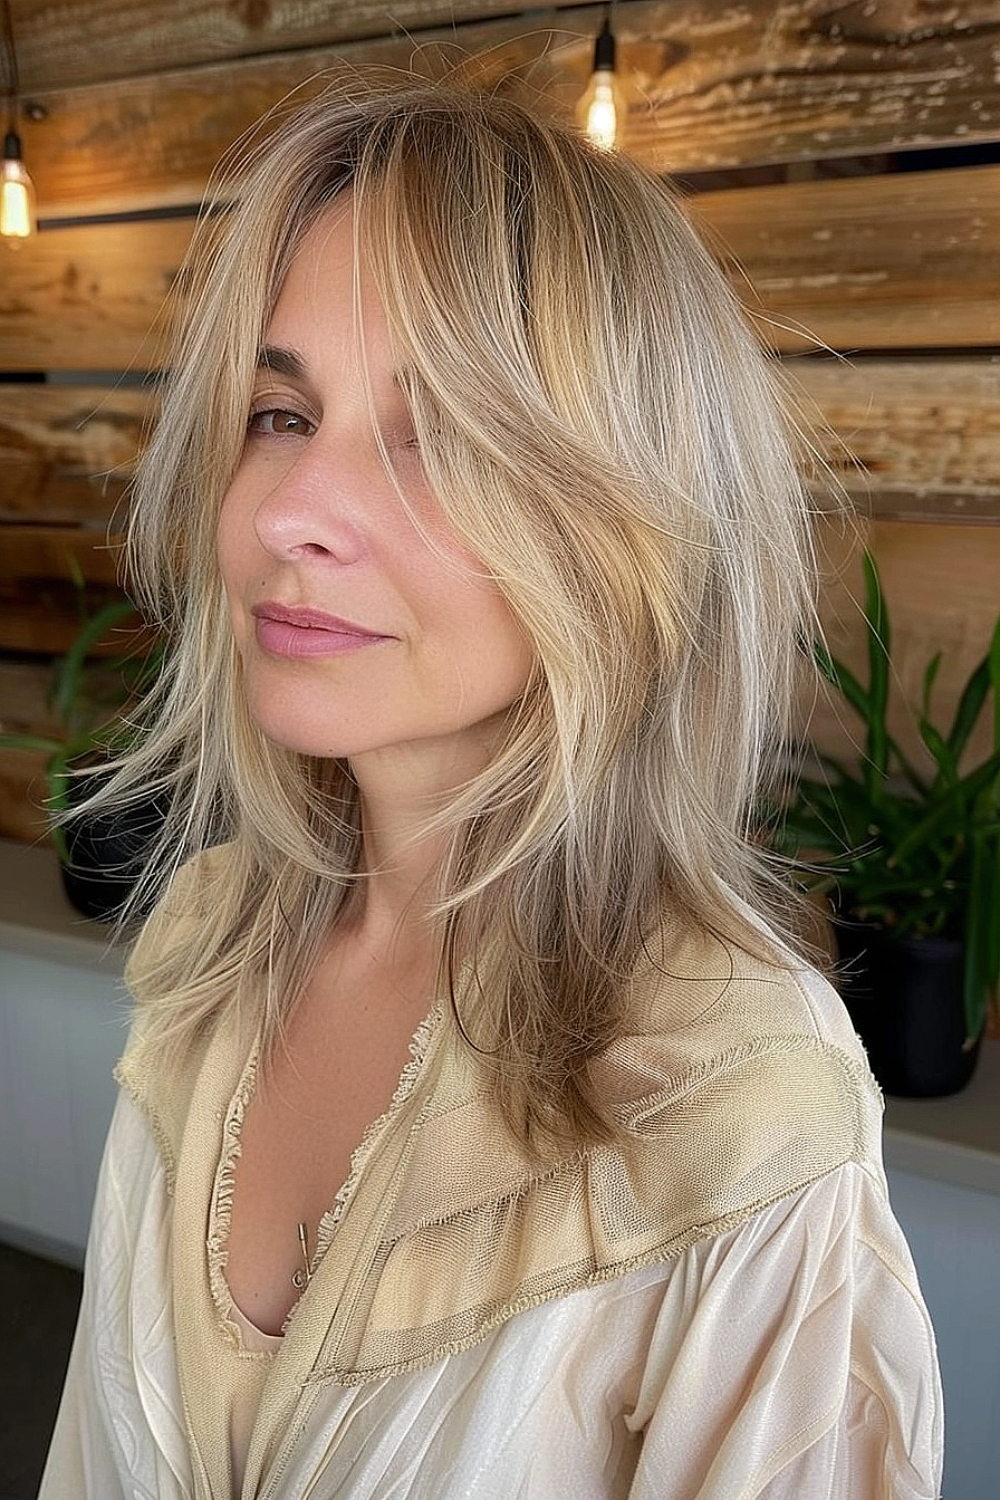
x,y
787,1359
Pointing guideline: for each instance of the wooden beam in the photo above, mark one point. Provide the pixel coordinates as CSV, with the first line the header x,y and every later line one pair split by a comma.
x,y
66,553
908,260
904,438
66,452
91,297
22,796
43,617
709,86
65,42
729,85
27,694
902,261
26,698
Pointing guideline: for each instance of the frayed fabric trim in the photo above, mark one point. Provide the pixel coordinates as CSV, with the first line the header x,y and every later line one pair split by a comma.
x,y
221,1213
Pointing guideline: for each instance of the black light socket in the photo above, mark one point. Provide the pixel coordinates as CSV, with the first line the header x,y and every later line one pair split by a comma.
x,y
604,47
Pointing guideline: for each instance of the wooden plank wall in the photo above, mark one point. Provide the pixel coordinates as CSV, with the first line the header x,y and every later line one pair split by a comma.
x,y
818,143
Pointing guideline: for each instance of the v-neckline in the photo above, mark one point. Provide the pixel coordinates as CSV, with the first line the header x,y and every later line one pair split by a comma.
x,y
224,1184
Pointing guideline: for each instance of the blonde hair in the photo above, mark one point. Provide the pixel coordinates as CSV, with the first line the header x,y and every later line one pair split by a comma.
x,y
603,431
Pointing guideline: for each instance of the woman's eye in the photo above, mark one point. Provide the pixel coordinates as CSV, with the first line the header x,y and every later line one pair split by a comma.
x,y
275,421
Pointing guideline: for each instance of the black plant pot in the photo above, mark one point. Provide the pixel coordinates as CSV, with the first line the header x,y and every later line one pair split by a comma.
x,y
905,998
106,851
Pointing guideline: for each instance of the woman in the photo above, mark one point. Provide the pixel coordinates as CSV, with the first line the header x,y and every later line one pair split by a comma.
x,y
472,518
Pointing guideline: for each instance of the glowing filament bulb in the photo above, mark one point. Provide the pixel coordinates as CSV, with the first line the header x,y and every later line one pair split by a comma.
x,y
17,192
601,110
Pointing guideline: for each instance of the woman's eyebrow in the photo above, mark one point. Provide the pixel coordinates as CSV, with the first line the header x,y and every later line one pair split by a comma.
x,y
279,361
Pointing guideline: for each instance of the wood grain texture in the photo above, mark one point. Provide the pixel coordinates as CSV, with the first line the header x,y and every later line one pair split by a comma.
x,y
905,437
710,85
910,260
91,297
26,698
22,796
60,553
861,263
42,617
67,42
66,452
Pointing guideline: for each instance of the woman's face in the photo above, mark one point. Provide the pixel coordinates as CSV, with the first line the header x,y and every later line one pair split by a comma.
x,y
359,630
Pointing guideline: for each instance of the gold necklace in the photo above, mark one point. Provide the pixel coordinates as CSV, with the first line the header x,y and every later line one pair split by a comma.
x,y
302,1277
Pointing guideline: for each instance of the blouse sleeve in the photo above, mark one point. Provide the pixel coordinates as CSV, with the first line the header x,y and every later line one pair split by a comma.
x,y
794,1357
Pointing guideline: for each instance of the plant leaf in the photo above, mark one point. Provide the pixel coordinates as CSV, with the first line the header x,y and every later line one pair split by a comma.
x,y
969,708
71,669
28,742
842,678
950,814
940,750
976,983
879,644
930,673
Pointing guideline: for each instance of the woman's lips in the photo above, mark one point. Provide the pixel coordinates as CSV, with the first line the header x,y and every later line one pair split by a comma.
x,y
283,630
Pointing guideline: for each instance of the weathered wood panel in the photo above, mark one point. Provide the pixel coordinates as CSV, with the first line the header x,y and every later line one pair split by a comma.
x,y
82,41
905,437
22,796
729,85
29,553
91,297
52,578
902,436
66,453
861,263
43,618
710,85
910,260
26,698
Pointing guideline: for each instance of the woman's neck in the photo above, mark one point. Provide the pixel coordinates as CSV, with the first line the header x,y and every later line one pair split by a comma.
x,y
402,790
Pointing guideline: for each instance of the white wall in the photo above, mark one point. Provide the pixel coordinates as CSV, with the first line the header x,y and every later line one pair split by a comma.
x,y
954,1234
62,1028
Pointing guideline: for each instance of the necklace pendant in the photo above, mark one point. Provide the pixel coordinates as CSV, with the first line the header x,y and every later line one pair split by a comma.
x,y
302,1277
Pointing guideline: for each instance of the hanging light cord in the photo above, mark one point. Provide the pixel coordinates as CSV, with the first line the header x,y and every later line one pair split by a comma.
x,y
14,85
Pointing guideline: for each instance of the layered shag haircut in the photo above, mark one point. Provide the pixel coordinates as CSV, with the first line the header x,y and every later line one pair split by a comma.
x,y
604,432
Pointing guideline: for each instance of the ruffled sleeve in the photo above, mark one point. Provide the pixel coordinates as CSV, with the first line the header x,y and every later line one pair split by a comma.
x,y
793,1357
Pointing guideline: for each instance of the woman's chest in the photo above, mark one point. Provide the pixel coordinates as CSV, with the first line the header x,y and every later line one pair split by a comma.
x,y
333,1075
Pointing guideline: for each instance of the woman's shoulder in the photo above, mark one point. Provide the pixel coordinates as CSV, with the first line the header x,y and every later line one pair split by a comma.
x,y
710,1019
692,982
184,903
160,1077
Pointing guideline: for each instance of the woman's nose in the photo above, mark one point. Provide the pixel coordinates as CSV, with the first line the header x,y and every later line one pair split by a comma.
x,y
311,508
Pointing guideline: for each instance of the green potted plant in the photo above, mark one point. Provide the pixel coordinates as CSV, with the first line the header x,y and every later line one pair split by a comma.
x,y
89,698
911,861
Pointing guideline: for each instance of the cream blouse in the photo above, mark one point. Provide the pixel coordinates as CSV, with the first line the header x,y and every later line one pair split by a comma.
x,y
722,1309
788,1359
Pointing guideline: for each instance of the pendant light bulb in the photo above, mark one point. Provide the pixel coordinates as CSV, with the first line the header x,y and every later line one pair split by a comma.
x,y
601,110
17,193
